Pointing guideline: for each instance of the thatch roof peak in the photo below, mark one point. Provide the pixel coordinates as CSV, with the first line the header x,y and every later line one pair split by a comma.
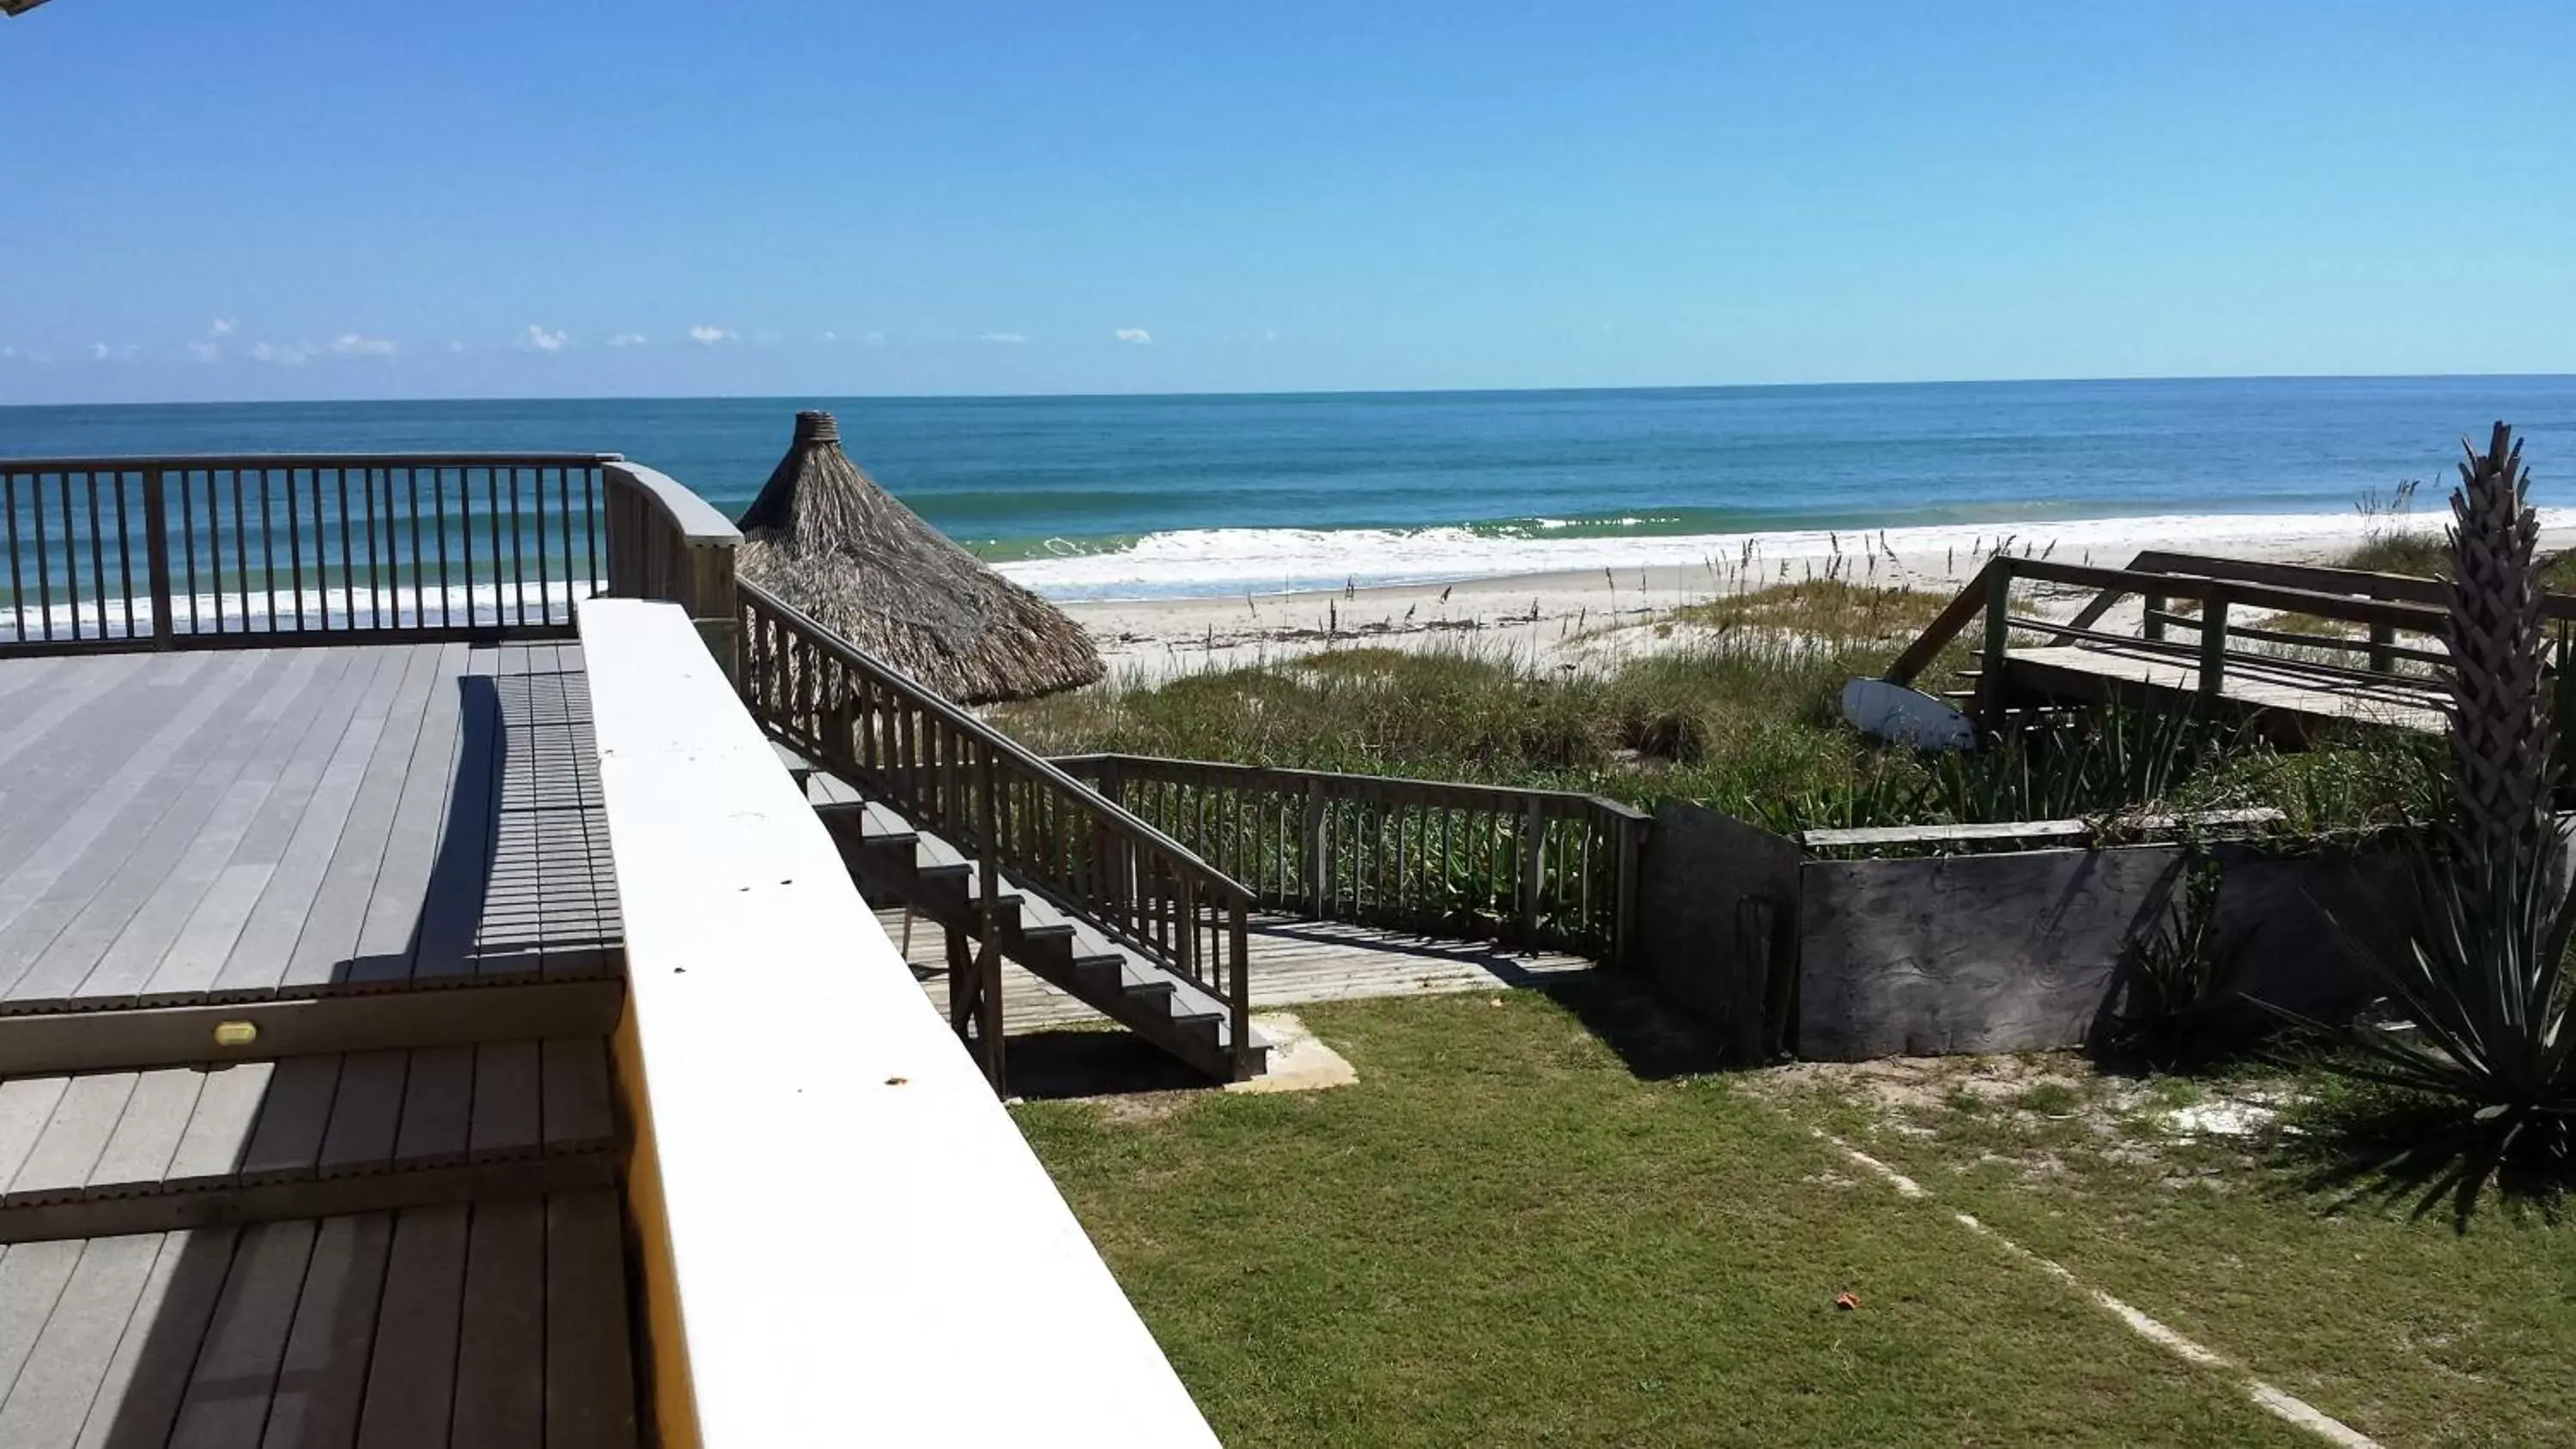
x,y
824,536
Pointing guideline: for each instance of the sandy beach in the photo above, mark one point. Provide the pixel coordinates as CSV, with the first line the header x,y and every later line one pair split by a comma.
x,y
1612,606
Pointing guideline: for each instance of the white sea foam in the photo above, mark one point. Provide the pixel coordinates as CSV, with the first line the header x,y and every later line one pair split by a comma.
x,y
1212,562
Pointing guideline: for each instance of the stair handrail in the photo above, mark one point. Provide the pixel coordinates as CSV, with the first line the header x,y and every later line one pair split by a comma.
x,y
944,769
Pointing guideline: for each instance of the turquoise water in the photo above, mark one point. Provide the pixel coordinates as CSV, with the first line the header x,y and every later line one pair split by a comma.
x,y
1145,495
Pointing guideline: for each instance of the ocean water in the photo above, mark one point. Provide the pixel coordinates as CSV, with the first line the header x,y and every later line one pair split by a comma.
x,y
1146,496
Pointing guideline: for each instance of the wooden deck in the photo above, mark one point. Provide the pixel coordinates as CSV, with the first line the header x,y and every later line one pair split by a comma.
x,y
274,823
457,1323
2107,672
1293,961
307,1123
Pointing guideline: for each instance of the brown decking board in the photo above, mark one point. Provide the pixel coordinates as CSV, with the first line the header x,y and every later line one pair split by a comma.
x,y
2095,671
459,1324
257,824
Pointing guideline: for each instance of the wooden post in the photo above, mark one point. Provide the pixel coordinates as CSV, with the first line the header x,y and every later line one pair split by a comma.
x,y
1632,839
1533,838
2153,625
1316,874
1990,678
2213,644
1238,979
988,959
961,981
156,548
2383,640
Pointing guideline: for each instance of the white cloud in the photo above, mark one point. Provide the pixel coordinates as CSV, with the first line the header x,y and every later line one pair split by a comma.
x,y
350,344
206,351
874,339
706,336
1004,337
100,352
1137,335
831,336
766,339
456,347
221,327
627,339
540,340
6,350
290,354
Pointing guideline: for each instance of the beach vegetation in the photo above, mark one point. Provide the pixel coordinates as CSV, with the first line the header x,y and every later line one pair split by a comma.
x,y
1742,716
2482,1090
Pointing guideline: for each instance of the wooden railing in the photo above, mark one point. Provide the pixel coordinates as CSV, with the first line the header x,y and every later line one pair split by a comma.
x,y
2385,607
1539,868
667,543
121,553
1014,812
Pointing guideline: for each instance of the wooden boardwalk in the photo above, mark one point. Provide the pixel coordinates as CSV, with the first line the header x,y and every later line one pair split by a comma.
x,y
2098,671
258,823
1293,961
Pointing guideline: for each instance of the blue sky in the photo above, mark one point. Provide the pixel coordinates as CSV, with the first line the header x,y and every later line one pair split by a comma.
x,y
275,198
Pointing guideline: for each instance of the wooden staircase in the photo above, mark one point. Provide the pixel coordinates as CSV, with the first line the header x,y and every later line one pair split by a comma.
x,y
1011,856
895,860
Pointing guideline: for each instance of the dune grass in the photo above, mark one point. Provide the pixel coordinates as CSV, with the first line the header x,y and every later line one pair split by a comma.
x,y
1742,717
1505,1234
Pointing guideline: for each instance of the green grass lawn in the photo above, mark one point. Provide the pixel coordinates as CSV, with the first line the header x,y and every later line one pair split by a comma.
x,y
1505,1235
2404,1328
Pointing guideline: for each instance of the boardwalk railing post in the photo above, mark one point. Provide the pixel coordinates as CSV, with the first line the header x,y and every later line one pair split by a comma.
x,y
1533,855
156,544
1238,978
1990,679
2213,643
1313,836
2152,626
988,880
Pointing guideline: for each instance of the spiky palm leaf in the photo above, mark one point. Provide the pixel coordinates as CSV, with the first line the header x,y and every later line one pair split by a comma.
x,y
2499,700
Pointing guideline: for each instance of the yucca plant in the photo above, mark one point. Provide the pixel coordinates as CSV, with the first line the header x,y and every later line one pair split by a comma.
x,y
2491,1063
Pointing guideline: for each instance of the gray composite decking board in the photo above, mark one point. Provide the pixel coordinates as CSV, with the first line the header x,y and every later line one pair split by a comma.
x,y
500,1352
411,1371
258,956
84,1119
286,1145
138,1396
578,1112
228,1106
144,938
438,1108
195,959
366,1114
508,1097
322,1381
50,1399
32,1279
67,966
69,693
388,935
148,711
339,907
226,1404
590,1389
452,902
85,850
137,1155
26,1107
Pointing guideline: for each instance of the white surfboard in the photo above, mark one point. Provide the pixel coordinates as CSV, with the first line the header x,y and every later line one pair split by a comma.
x,y
1907,717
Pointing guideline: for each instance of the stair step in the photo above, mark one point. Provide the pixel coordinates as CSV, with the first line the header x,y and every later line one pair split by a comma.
x,y
90,1154
1073,954
798,767
828,792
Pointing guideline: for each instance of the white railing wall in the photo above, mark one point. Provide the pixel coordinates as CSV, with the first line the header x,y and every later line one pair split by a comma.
x,y
843,1236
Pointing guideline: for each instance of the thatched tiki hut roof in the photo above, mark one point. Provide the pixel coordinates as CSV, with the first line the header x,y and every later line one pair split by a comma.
x,y
826,538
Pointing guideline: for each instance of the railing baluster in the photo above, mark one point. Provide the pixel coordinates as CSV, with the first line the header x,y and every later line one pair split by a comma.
x,y
545,591
518,560
98,551
17,583
188,544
